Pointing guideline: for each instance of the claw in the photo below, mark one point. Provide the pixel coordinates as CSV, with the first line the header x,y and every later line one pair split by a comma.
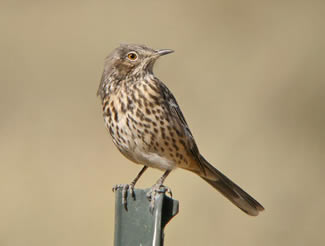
x,y
169,191
131,189
125,189
154,190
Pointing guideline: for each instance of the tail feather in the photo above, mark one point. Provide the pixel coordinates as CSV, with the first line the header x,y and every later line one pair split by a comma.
x,y
230,190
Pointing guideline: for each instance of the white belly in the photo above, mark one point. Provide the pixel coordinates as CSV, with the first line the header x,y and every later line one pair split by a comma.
x,y
137,150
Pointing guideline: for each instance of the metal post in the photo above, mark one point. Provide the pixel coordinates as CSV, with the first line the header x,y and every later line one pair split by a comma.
x,y
137,225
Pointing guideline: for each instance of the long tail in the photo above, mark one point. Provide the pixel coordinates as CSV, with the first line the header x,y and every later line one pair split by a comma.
x,y
230,190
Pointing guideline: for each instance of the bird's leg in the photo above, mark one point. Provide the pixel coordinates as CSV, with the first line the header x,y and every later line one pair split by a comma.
x,y
157,188
126,187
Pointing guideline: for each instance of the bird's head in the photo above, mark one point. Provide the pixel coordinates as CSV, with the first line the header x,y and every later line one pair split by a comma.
x,y
131,59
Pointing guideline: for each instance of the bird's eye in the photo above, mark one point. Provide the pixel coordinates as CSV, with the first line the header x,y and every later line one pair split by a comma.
x,y
132,56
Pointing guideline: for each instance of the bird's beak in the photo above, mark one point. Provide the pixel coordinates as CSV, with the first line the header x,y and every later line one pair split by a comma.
x,y
164,52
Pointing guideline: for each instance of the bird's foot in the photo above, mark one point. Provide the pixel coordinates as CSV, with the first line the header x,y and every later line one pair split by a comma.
x,y
125,188
155,190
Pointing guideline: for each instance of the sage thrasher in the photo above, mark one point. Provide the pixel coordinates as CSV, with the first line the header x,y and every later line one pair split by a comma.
x,y
148,127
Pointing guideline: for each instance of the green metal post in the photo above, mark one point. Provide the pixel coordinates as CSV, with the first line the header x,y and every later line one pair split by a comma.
x,y
137,225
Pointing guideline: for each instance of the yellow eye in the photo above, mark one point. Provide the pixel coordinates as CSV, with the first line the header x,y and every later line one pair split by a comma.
x,y
132,56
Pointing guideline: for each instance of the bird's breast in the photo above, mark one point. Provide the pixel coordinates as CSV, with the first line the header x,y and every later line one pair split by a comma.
x,y
141,128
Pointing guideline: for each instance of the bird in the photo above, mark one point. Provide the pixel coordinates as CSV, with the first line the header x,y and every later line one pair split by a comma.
x,y
148,127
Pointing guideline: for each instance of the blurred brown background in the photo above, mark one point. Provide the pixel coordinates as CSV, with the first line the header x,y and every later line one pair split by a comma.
x,y
256,68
